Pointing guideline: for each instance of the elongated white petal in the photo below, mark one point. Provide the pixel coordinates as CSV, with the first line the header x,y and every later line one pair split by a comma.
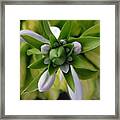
x,y
64,68
77,95
55,31
61,75
46,81
21,39
34,35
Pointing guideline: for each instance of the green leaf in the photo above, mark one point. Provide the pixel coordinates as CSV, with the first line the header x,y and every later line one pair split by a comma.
x,y
81,62
51,69
53,41
34,25
90,88
69,80
92,31
23,63
49,33
46,27
85,73
29,95
94,56
88,42
38,64
33,85
79,26
32,41
33,51
65,32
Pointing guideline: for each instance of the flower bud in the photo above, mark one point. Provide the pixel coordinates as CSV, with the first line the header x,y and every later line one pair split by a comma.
x,y
63,42
57,55
45,49
77,47
46,61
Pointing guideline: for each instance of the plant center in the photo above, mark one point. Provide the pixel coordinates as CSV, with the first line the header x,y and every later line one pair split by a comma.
x,y
58,55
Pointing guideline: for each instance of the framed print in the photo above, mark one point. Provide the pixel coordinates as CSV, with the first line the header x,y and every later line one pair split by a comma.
x,y
60,59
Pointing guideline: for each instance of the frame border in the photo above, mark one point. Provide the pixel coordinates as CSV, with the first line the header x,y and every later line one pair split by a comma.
x,y
117,58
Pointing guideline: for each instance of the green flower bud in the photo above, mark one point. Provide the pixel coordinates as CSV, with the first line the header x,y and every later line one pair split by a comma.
x,y
57,55
63,42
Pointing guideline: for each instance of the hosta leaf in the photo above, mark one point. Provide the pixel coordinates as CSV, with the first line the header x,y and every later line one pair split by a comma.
x,y
23,63
65,31
33,85
49,33
88,42
94,56
69,80
33,51
29,95
79,26
92,31
57,23
46,27
81,62
53,41
85,73
32,41
38,64
51,69
89,89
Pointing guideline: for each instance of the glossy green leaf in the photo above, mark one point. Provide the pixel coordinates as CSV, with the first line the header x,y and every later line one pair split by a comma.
x,y
38,64
69,80
94,56
57,23
92,31
88,42
65,31
53,41
85,73
51,69
79,26
32,41
49,33
81,62
46,27
33,51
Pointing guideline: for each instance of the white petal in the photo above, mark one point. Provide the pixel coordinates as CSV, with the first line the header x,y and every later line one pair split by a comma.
x,y
46,81
64,68
55,31
77,95
61,75
34,35
77,47
21,39
45,48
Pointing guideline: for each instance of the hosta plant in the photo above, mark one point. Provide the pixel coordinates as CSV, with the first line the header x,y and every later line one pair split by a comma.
x,y
62,57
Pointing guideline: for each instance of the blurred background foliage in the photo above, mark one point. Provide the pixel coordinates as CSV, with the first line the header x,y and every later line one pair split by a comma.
x,y
28,90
